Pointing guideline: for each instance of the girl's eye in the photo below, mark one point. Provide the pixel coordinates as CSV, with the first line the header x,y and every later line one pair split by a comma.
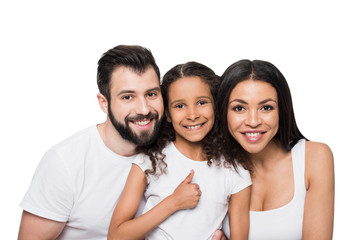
x,y
238,108
179,106
202,102
267,108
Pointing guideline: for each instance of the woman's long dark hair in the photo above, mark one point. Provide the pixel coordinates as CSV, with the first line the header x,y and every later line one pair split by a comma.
x,y
288,134
167,132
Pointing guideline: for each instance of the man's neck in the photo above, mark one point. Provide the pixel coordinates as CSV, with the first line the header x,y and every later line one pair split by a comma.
x,y
114,141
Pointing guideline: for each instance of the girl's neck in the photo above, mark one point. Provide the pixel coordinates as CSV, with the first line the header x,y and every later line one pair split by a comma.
x,y
190,150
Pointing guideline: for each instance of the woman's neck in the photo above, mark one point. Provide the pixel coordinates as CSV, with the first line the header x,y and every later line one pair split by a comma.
x,y
269,155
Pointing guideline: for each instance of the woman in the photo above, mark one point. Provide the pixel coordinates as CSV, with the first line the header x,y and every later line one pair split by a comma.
x,y
292,195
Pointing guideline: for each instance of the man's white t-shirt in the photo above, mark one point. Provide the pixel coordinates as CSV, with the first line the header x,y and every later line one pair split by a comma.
x,y
78,181
217,184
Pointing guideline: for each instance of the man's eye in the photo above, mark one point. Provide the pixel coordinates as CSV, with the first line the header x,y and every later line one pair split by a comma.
x,y
126,97
152,94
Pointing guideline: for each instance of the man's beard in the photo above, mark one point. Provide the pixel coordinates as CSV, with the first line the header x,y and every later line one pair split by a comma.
x,y
145,137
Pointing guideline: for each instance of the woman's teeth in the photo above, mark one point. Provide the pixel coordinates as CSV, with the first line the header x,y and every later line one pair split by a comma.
x,y
253,134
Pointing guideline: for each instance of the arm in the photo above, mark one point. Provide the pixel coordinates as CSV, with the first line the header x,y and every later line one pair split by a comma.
x,y
319,201
123,226
239,207
35,227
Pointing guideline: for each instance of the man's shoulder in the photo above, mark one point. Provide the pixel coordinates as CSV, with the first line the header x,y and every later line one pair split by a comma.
x,y
75,141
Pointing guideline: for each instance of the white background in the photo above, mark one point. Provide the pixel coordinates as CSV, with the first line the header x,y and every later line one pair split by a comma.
x,y
49,52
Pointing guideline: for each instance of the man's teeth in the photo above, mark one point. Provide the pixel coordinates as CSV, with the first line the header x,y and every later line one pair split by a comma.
x,y
194,127
142,123
253,134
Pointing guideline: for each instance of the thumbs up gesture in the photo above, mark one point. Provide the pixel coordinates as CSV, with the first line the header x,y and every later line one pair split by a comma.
x,y
187,194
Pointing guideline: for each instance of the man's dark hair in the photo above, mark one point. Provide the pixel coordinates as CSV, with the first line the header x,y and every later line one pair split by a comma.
x,y
136,58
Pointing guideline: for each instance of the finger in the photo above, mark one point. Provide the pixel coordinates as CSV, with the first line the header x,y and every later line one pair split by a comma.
x,y
217,235
189,177
196,185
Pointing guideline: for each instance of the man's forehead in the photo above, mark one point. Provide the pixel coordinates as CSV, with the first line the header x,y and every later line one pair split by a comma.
x,y
127,79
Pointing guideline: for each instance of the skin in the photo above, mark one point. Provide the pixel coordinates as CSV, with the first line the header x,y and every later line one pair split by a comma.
x,y
191,112
253,108
131,94
190,104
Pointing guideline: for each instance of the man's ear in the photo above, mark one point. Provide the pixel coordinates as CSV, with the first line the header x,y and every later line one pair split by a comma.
x,y
103,102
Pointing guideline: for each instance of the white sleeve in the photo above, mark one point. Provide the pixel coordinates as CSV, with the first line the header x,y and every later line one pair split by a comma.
x,y
240,179
144,162
50,194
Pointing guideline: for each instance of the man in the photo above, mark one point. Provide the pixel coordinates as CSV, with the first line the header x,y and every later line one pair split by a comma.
x,y
79,181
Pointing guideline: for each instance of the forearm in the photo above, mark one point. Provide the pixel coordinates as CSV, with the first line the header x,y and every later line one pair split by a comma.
x,y
138,227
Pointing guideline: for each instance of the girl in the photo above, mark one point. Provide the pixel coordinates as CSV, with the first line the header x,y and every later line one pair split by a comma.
x,y
195,208
292,194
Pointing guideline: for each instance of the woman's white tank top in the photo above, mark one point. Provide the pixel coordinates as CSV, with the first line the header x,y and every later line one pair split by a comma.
x,y
284,222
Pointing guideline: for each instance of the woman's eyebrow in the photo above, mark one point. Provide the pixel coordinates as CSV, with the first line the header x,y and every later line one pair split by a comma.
x,y
267,100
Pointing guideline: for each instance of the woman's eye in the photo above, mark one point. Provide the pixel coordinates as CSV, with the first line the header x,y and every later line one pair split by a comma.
x,y
238,108
267,108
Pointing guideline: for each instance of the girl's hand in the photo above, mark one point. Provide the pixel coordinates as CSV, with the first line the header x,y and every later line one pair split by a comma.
x,y
187,194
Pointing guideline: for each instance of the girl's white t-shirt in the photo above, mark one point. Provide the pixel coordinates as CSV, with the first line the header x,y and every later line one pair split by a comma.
x,y
217,184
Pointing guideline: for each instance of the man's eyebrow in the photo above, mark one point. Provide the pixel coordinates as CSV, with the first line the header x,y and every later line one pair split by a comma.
x,y
132,91
153,89
125,92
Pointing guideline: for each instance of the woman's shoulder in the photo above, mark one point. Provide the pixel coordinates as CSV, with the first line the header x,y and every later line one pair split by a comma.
x,y
319,161
317,150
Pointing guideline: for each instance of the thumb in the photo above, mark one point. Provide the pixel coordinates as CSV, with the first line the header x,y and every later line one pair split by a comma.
x,y
217,235
189,177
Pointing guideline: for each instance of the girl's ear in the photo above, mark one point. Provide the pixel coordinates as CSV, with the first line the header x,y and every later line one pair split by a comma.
x,y
168,118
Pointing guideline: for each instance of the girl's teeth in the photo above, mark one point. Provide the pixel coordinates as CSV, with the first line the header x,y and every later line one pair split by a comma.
x,y
252,134
142,123
194,127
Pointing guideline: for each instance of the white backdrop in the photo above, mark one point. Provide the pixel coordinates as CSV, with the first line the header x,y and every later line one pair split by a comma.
x,y
49,52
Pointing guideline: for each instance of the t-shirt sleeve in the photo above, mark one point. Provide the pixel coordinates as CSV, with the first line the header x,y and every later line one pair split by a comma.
x,y
240,179
50,194
143,162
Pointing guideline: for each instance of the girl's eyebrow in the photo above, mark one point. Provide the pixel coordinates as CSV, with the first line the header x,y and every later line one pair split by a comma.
x,y
181,100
